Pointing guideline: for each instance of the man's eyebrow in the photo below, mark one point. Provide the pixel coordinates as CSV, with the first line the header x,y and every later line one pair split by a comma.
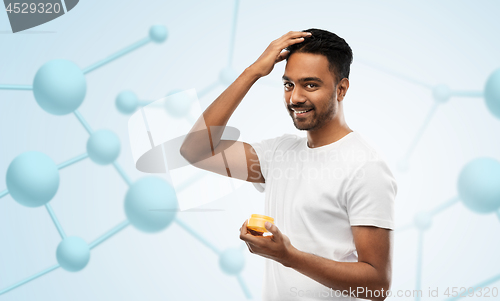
x,y
305,79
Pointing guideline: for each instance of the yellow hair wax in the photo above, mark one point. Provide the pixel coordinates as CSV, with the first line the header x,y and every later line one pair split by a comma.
x,y
256,224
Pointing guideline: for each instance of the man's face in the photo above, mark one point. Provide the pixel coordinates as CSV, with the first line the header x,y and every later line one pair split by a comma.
x,y
310,90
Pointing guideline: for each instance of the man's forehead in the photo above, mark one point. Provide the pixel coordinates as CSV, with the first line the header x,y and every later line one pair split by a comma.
x,y
300,66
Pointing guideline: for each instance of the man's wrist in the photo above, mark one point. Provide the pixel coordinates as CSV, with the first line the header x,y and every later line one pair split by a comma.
x,y
252,73
292,257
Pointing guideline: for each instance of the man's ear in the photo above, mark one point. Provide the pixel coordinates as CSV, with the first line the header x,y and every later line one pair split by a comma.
x,y
342,87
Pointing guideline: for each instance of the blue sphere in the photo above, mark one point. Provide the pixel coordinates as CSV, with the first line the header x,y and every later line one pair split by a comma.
x,y
227,76
178,105
231,261
441,93
32,179
103,147
151,204
492,93
158,33
59,87
127,102
479,185
423,220
73,254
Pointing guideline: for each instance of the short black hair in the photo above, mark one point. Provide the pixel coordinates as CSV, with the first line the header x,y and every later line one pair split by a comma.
x,y
336,50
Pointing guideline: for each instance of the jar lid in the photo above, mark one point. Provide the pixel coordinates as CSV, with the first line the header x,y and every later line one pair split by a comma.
x,y
263,217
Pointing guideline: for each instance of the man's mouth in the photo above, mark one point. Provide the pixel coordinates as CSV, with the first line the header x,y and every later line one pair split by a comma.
x,y
301,112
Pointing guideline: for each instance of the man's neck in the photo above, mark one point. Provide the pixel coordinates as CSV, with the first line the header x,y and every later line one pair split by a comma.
x,y
332,131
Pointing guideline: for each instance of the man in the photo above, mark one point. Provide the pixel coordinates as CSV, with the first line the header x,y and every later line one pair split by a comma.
x,y
330,194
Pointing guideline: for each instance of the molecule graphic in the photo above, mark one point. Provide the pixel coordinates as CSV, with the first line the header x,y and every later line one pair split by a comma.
x,y
32,179
127,102
479,181
441,95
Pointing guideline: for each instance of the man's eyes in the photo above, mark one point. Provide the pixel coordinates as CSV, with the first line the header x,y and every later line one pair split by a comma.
x,y
289,85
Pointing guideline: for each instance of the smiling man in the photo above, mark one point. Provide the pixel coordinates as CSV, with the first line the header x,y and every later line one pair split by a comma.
x,y
330,193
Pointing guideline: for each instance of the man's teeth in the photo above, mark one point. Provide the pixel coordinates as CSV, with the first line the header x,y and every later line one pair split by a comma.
x,y
300,112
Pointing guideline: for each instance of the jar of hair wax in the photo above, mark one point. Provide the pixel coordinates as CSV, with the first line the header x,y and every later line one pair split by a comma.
x,y
256,224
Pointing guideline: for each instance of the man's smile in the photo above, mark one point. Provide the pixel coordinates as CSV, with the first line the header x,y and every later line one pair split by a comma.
x,y
301,112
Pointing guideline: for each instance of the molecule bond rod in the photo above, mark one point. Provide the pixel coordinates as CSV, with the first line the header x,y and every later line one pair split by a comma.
x,y
233,33
395,74
480,285
55,220
164,155
4,193
143,103
15,87
208,89
48,270
108,234
122,173
418,277
444,205
467,93
117,55
244,286
147,127
405,227
72,161
196,235
83,122
421,131
190,181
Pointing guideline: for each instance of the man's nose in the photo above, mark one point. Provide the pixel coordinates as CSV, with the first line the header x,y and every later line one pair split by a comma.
x,y
297,97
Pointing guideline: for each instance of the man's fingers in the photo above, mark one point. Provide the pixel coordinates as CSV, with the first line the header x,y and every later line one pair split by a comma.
x,y
244,235
283,55
247,237
265,63
289,42
249,248
290,36
295,34
243,229
284,44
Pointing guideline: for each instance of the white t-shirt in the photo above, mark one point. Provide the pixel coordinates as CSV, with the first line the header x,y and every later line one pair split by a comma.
x,y
315,195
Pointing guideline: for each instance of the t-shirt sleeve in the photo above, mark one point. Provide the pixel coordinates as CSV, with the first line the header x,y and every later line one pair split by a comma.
x,y
371,194
265,150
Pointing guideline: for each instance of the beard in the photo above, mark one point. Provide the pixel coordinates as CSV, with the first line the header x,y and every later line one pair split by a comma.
x,y
314,121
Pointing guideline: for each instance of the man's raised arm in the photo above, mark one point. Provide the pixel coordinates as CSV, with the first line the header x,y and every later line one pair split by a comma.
x,y
203,141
